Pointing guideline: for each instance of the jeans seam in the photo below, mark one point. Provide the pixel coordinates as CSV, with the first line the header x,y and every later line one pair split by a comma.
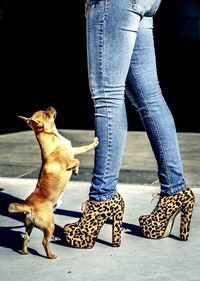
x,y
108,112
102,71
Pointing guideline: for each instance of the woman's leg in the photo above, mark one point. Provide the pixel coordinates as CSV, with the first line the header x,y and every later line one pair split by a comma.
x,y
145,93
111,33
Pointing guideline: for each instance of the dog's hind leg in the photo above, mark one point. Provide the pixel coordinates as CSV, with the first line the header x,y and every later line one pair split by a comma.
x,y
28,229
48,232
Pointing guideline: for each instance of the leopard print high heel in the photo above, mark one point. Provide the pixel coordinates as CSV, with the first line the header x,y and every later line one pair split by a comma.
x,y
160,222
84,232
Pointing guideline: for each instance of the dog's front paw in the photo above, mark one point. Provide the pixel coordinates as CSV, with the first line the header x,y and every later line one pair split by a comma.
x,y
95,141
75,170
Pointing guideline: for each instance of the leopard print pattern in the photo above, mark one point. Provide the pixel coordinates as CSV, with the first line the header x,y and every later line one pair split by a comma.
x,y
84,232
160,222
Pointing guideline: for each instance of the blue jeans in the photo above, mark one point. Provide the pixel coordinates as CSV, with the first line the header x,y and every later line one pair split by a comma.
x,y
121,60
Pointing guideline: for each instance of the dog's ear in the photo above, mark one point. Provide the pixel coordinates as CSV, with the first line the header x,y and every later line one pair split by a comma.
x,y
24,118
33,123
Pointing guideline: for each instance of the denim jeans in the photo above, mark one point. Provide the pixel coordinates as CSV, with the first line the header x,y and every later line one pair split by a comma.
x,y
121,60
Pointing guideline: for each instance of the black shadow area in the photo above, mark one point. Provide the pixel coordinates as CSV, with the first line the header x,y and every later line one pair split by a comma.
x,y
11,238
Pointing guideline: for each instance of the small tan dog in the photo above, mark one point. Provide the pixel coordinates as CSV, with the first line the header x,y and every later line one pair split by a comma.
x,y
58,164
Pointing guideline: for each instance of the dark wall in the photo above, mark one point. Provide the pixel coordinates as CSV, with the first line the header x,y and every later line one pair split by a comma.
x,y
43,62
178,53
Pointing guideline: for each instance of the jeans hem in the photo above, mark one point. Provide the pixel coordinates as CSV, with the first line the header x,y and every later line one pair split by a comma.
x,y
174,190
102,197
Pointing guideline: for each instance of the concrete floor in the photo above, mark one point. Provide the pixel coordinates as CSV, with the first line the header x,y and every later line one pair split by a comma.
x,y
138,258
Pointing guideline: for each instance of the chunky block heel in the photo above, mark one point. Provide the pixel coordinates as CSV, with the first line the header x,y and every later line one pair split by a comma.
x,y
116,228
160,222
84,232
186,217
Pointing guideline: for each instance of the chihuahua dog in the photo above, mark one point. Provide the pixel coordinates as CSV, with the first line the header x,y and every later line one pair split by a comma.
x,y
58,164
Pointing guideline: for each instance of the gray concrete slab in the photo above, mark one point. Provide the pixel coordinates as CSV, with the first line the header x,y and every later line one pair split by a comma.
x,y
20,156
138,258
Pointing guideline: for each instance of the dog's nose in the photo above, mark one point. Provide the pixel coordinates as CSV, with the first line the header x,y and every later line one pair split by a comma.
x,y
52,110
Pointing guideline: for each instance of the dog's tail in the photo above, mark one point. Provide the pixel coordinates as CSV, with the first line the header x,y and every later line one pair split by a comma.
x,y
19,208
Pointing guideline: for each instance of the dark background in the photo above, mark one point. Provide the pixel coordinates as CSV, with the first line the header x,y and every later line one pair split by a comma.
x,y
43,62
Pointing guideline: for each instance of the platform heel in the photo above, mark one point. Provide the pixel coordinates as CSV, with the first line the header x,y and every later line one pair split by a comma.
x,y
84,232
160,221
